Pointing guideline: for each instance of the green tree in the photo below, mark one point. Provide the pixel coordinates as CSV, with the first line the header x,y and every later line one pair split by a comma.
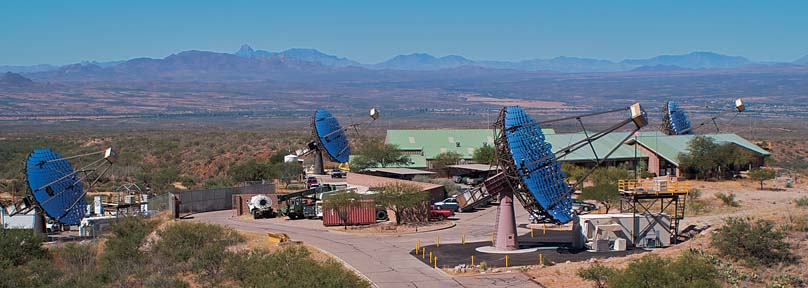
x,y
605,184
610,175
605,194
707,159
341,203
574,172
445,159
378,154
277,157
484,154
596,273
285,172
762,174
403,198
250,170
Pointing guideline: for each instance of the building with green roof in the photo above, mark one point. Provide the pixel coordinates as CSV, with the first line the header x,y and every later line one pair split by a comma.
x,y
663,150
658,150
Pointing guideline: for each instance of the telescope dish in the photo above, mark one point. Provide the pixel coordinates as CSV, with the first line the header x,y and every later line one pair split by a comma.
x,y
675,121
330,136
539,173
55,186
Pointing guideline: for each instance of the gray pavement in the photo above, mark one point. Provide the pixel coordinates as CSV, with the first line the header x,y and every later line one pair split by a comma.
x,y
385,259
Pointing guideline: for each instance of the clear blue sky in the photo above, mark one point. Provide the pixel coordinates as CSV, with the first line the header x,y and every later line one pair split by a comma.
x,y
61,32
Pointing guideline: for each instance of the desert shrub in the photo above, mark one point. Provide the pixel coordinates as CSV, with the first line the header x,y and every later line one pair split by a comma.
x,y
690,269
596,273
210,262
783,280
34,273
801,202
18,246
695,204
451,187
157,280
122,254
727,271
798,223
483,265
756,242
727,199
200,246
289,267
694,194
218,182
79,263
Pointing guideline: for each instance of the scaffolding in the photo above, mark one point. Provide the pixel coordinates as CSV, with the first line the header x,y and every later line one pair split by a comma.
x,y
654,198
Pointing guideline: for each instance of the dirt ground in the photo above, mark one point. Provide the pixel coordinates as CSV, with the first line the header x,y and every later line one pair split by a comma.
x,y
774,204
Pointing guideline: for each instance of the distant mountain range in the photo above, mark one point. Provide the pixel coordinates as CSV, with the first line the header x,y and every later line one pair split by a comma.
x,y
802,61
310,55
14,80
249,64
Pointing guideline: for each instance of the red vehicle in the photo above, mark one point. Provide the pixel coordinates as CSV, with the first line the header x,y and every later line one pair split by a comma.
x,y
311,180
440,214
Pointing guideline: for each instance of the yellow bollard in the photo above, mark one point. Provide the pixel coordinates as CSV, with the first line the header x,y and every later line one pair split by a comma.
x,y
541,259
531,232
430,256
436,262
437,240
544,229
506,261
417,246
463,239
472,260
423,253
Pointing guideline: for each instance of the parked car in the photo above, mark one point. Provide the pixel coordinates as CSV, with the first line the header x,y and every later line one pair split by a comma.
x,y
311,180
336,173
536,218
582,207
475,181
448,203
439,214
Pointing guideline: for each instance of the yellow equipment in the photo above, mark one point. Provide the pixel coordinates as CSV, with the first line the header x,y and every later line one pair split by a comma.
x,y
277,237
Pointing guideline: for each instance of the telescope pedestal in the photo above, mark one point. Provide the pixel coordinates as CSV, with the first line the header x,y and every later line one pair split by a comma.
x,y
506,238
318,162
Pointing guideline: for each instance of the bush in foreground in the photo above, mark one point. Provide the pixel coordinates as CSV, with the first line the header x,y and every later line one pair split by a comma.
x,y
688,270
755,242
184,254
288,267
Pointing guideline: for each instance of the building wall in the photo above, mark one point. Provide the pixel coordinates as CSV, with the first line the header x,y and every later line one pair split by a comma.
x,y
653,159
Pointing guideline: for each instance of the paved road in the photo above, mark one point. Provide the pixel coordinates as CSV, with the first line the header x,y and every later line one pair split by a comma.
x,y
385,259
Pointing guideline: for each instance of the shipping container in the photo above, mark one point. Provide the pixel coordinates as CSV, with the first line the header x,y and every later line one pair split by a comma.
x,y
362,212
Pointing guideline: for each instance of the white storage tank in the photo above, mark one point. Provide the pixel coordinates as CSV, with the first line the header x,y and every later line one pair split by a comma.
x,y
291,158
